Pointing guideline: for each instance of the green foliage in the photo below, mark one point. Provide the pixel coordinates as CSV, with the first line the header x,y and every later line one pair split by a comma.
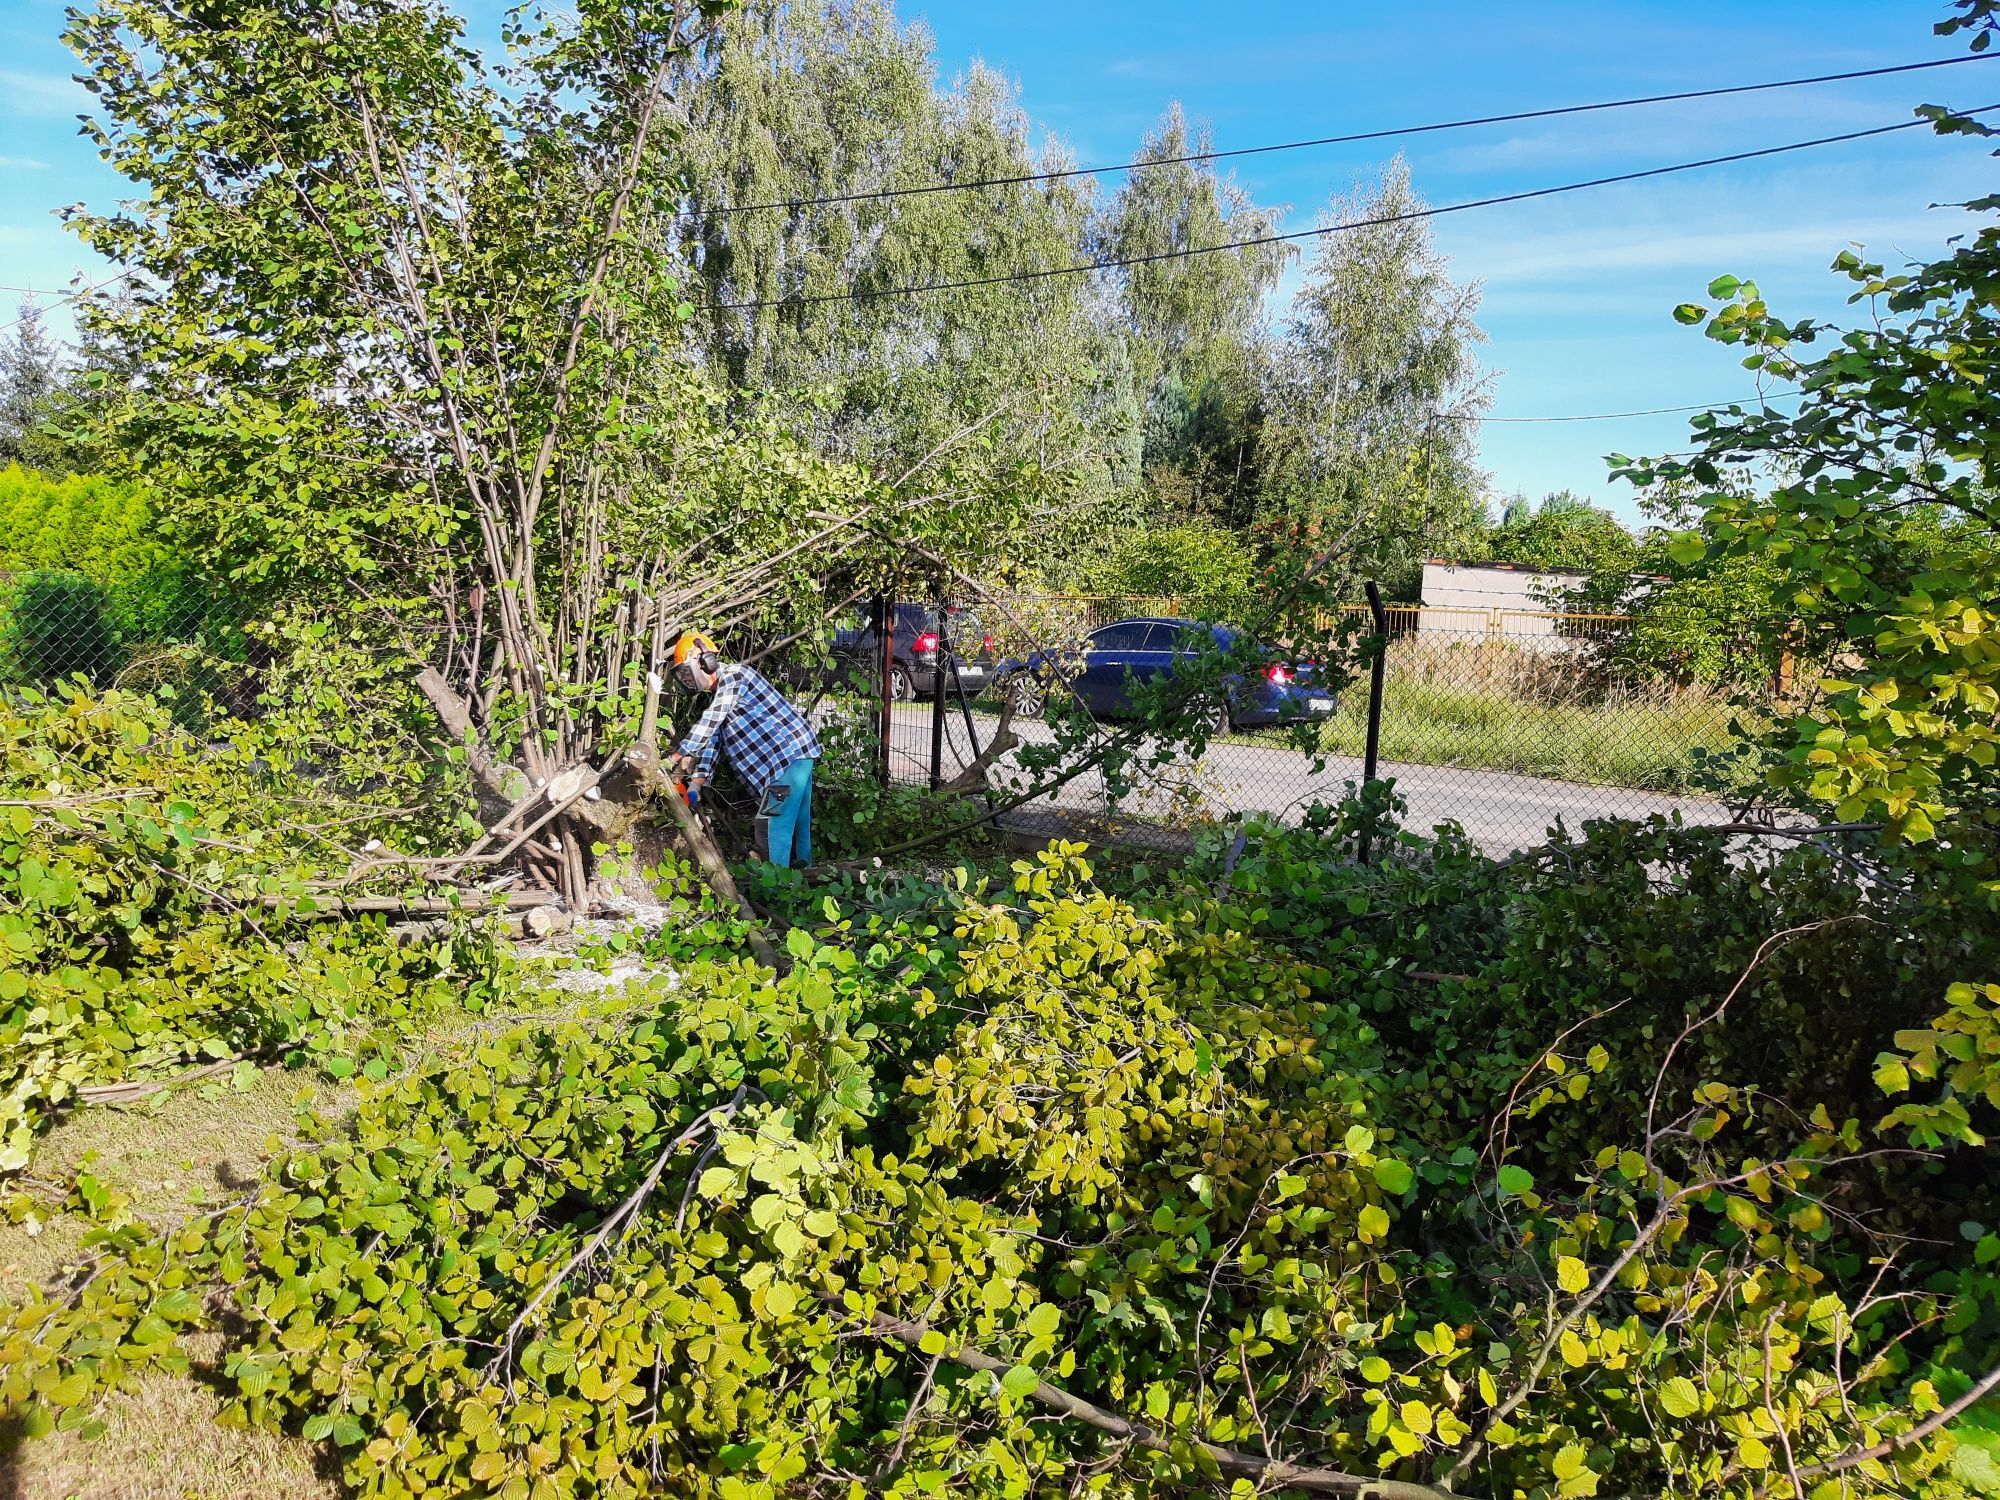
x,y
1208,570
1195,1157
1897,419
1566,534
87,524
156,912
56,625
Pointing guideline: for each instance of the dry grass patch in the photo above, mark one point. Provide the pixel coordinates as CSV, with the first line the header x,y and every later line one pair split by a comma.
x,y
179,1152
162,1442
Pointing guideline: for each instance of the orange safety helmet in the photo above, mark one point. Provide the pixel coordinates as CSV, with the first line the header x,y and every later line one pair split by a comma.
x,y
698,648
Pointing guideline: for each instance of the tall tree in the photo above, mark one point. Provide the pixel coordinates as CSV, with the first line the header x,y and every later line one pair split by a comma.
x,y
419,341
1195,316
788,103
1376,390
30,372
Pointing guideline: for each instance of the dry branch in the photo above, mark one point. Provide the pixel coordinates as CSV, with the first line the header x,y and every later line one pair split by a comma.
x,y
120,1093
473,903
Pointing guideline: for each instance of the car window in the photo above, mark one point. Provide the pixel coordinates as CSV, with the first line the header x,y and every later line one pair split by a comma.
x,y
1126,635
1159,637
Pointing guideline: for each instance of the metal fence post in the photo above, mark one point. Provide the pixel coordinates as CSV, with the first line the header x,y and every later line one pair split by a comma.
x,y
945,664
885,681
1377,674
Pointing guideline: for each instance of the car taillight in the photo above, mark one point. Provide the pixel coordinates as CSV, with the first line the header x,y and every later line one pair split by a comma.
x,y
1278,674
986,643
928,641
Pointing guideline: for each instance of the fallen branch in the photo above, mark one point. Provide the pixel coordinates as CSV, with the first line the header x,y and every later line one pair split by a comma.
x,y
120,1093
1235,1464
717,873
972,779
1985,1386
624,1214
473,902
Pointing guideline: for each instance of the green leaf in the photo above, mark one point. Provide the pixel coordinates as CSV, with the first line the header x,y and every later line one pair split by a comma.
x,y
1394,1176
1516,1182
716,1182
1572,1275
1020,1381
1680,1397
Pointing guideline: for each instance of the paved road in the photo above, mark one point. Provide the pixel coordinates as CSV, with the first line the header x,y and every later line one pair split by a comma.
x,y
1501,811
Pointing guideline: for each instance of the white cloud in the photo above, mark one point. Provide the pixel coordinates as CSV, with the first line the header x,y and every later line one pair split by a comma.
x,y
45,94
1568,256
22,164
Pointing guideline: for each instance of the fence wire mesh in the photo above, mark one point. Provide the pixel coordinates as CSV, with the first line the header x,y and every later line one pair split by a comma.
x,y
1506,722
160,634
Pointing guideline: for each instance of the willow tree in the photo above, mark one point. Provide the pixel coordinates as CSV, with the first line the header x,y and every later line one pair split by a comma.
x,y
415,336
1374,387
816,132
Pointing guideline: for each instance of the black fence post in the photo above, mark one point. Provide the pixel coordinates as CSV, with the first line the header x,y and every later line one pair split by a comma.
x,y
885,682
944,663
1376,675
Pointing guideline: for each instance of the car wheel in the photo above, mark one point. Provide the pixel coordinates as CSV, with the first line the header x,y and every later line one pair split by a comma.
x,y
1028,695
1213,714
902,687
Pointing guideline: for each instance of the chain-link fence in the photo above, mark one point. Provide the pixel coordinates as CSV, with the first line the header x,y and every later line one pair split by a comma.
x,y
1503,721
161,633
1506,722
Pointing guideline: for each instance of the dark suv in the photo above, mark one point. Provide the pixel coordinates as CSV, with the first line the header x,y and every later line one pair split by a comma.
x,y
916,643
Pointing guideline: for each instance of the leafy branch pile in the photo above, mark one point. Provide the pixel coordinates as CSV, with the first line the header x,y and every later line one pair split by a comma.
x,y
1132,1186
157,914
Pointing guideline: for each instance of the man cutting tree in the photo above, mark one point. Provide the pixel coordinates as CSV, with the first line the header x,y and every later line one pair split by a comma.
x,y
767,742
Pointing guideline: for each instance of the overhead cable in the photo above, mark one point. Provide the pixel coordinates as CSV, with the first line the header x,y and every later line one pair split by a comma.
x,y
1389,133
1409,216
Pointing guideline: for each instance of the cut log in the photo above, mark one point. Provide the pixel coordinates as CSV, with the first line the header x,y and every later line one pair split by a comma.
x,y
973,778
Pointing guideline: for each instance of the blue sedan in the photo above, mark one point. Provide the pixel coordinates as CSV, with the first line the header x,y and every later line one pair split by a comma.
x,y
1126,652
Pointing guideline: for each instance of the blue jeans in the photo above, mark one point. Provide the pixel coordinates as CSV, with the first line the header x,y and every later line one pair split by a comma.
x,y
786,813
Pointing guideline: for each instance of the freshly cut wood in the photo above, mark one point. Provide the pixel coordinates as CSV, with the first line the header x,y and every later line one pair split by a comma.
x,y
544,921
972,779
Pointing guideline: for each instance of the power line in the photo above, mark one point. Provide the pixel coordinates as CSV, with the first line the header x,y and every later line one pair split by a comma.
x,y
1085,267
62,297
1340,140
1617,416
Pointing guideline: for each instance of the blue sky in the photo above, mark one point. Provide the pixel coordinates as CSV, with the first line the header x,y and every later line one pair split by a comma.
x,y
1578,290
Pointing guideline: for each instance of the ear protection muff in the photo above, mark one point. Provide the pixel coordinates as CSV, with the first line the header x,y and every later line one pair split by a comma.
x,y
697,649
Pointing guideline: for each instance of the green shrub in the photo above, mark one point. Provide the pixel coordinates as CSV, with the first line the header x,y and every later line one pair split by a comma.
x,y
100,528
58,625
1216,1155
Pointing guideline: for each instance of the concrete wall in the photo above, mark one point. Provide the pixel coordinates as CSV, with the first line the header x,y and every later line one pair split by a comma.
x,y
1500,601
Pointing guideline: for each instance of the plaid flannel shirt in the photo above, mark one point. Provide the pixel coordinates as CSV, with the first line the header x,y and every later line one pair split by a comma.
x,y
756,729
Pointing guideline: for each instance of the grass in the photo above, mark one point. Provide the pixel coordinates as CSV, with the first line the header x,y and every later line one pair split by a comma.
x,y
180,1152
175,1153
1535,715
